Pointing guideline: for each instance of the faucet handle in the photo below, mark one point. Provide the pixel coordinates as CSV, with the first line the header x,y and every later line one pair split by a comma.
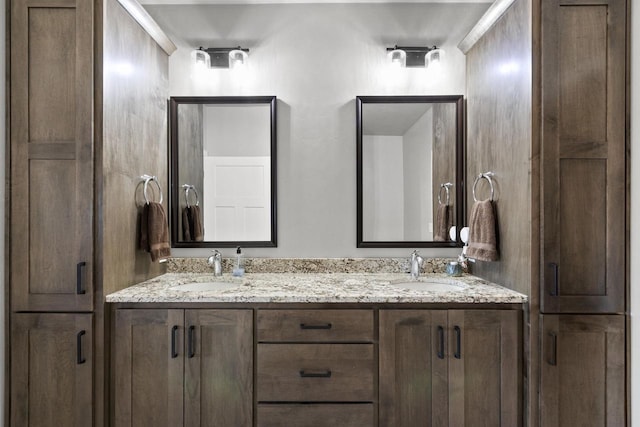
x,y
217,256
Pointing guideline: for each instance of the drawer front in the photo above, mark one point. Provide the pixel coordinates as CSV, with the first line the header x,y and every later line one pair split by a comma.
x,y
315,326
315,373
316,415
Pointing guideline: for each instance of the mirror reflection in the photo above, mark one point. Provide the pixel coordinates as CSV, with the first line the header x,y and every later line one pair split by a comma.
x,y
223,169
409,161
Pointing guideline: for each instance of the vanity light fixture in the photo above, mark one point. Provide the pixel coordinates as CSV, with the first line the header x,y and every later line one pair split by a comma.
x,y
220,57
414,56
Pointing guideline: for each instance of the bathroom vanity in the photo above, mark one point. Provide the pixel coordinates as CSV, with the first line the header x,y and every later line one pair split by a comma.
x,y
347,349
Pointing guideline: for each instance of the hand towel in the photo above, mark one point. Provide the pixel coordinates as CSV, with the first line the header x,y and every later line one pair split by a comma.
x,y
186,225
157,231
444,221
197,230
483,237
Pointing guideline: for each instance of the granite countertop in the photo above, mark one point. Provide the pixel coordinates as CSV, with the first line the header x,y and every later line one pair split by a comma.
x,y
315,288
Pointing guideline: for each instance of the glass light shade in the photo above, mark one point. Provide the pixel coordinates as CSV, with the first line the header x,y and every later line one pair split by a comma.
x,y
433,57
398,58
201,59
238,58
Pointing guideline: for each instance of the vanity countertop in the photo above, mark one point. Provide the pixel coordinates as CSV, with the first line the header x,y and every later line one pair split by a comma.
x,y
314,288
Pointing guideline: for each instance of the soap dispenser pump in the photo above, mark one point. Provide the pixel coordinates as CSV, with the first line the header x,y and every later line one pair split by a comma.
x,y
239,268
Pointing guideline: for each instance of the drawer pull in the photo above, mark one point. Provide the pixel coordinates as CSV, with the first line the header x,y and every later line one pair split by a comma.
x,y
315,374
440,342
553,360
174,350
80,358
79,290
458,352
191,342
321,326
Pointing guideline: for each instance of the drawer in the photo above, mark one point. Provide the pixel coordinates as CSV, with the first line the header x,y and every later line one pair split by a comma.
x,y
315,326
315,373
316,415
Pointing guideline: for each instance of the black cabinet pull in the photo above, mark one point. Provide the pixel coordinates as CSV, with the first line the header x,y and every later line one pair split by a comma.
x,y
315,374
553,360
191,343
458,352
440,342
174,350
79,289
554,279
321,326
80,358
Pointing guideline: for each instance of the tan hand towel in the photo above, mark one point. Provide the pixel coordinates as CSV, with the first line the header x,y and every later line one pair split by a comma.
x,y
197,230
444,221
186,225
483,237
157,231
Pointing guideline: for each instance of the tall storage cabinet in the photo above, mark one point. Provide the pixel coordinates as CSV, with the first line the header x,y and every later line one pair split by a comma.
x,y
584,206
62,192
52,258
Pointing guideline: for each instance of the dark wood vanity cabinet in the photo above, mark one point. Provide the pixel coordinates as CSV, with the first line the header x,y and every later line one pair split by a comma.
x,y
450,368
316,368
176,367
583,371
52,370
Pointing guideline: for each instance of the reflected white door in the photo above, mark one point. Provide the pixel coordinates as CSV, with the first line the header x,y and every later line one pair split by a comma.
x,y
237,198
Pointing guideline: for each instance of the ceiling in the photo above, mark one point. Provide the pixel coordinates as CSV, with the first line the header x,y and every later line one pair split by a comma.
x,y
391,119
185,2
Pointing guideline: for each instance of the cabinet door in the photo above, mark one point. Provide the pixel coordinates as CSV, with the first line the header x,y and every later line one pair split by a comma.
x,y
51,155
218,388
51,370
413,368
148,367
583,371
583,155
484,368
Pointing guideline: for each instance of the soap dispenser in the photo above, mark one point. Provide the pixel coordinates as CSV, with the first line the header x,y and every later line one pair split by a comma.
x,y
239,268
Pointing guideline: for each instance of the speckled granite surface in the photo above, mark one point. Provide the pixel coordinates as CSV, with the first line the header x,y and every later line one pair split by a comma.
x,y
310,265
315,288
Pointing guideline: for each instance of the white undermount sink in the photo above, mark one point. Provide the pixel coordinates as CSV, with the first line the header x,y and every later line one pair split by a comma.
x,y
205,286
434,285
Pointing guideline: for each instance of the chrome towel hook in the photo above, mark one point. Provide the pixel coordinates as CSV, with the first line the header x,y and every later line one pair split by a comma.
x,y
446,186
487,176
187,188
147,179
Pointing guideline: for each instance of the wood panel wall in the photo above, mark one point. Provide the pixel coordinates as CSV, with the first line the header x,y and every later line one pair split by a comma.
x,y
191,167
444,155
135,93
502,137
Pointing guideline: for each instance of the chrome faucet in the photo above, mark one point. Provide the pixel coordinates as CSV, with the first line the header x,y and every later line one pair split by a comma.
x,y
215,262
415,264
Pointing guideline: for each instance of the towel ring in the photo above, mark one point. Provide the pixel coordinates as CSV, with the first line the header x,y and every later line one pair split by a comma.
x,y
147,179
446,186
187,188
487,176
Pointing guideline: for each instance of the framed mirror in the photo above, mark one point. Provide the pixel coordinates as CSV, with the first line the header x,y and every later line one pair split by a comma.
x,y
410,170
223,171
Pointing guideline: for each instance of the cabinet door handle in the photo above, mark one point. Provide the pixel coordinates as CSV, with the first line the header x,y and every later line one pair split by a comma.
x,y
315,374
174,350
79,290
554,291
553,360
440,342
321,326
458,352
191,343
80,358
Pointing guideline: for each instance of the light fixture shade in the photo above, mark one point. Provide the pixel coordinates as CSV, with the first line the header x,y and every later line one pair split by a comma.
x,y
398,57
433,57
238,58
200,59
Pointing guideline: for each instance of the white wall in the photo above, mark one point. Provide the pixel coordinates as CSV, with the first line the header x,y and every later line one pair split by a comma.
x,y
244,130
635,213
382,189
417,151
316,58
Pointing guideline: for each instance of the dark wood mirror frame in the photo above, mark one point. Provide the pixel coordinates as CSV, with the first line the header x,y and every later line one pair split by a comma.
x,y
460,205
174,184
